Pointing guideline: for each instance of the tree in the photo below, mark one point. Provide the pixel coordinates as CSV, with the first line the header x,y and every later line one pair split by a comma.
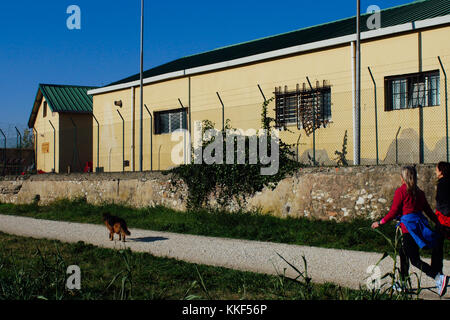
x,y
27,139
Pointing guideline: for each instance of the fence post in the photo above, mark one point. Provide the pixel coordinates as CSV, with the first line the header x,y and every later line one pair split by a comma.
x,y
54,146
396,145
446,108
35,147
223,112
376,112
123,142
314,124
98,144
4,153
262,93
151,137
19,138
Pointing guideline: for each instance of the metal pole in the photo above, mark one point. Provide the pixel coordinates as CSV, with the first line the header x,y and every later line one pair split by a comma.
x,y
314,124
4,152
357,133
376,112
446,107
123,141
223,112
151,137
98,143
54,146
141,132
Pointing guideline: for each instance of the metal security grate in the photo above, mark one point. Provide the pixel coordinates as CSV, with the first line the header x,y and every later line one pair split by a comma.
x,y
309,109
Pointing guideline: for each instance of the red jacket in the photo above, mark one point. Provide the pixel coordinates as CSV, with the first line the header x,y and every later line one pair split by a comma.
x,y
404,204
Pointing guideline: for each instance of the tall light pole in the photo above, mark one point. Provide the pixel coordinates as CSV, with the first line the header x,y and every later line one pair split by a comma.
x,y
141,134
357,124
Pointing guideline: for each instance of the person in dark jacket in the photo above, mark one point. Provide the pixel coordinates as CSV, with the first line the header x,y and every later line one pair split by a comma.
x,y
443,197
409,204
442,214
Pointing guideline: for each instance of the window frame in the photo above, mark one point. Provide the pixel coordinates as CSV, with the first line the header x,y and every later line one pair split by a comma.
x,y
157,118
326,111
408,84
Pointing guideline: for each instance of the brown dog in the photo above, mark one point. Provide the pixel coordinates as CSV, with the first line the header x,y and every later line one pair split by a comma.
x,y
116,225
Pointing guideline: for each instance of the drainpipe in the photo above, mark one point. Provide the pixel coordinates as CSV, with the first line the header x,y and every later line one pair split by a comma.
x,y
98,143
4,152
357,124
151,137
376,112
141,110
184,132
446,107
353,64
54,146
123,141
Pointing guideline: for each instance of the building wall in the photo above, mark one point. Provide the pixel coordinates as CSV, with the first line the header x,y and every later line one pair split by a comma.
x,y
47,161
238,90
75,141
59,153
397,56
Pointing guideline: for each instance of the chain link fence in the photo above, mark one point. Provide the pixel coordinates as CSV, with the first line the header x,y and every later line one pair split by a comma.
x,y
407,136
110,142
16,149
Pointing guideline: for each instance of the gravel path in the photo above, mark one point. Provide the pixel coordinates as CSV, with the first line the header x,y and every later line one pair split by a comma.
x,y
344,267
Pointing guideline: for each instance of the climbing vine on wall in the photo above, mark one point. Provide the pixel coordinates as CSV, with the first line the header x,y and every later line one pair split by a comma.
x,y
228,182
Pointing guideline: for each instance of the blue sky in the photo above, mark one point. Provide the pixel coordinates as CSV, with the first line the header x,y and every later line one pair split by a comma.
x,y
37,47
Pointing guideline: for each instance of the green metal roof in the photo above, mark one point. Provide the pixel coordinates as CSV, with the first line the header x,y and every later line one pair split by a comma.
x,y
62,98
415,11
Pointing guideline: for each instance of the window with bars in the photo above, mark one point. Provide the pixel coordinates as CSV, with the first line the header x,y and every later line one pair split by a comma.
x,y
291,107
170,120
412,91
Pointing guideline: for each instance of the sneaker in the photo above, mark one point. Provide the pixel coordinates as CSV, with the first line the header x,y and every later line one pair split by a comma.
x,y
441,284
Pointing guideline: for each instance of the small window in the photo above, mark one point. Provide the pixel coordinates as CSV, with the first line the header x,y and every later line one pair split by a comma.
x,y
298,107
169,121
412,91
44,111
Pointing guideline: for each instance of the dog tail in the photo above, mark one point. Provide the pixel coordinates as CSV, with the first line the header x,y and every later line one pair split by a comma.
x,y
124,228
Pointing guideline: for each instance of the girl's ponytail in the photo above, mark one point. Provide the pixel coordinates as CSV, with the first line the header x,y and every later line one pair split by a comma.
x,y
409,175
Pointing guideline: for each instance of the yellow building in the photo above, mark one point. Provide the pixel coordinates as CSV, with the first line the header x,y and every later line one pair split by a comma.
x,y
311,73
61,120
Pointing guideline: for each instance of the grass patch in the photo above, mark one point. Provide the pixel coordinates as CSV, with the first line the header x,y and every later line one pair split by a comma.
x,y
36,269
353,235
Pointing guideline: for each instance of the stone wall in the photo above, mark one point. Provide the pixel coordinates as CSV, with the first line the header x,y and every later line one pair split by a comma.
x,y
322,193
